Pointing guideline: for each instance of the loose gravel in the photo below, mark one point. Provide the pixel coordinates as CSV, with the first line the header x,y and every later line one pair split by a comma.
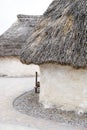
x,y
28,103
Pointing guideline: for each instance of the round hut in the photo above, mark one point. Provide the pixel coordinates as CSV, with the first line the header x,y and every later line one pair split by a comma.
x,y
10,44
59,47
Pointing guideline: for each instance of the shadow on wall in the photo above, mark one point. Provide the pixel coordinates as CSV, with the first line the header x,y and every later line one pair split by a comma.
x,y
12,67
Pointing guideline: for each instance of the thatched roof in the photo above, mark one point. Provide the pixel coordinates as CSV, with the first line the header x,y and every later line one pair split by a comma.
x,y
15,37
60,37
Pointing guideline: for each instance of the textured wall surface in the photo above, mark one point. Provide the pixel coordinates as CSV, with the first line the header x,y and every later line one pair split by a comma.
x,y
63,86
13,67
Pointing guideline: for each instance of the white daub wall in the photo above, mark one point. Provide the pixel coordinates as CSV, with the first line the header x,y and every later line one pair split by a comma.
x,y
63,87
12,67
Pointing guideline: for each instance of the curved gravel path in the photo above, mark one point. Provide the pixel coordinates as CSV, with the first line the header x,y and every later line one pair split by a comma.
x,y
10,88
28,103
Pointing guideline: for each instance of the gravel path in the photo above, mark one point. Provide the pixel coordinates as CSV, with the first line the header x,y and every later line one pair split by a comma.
x,y
28,103
11,119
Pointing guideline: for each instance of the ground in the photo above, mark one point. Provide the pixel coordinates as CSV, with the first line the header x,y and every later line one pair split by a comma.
x,y
11,119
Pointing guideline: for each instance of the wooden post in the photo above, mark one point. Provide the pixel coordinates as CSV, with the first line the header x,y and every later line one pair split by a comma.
x,y
37,84
36,79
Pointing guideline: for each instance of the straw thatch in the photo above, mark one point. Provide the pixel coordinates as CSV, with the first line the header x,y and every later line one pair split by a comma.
x,y
60,37
15,37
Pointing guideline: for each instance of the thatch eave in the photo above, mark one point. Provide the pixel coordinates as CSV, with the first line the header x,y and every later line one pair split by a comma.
x,y
12,40
59,38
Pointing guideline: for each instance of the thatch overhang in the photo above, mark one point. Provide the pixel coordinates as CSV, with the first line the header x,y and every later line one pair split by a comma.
x,y
60,37
15,37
